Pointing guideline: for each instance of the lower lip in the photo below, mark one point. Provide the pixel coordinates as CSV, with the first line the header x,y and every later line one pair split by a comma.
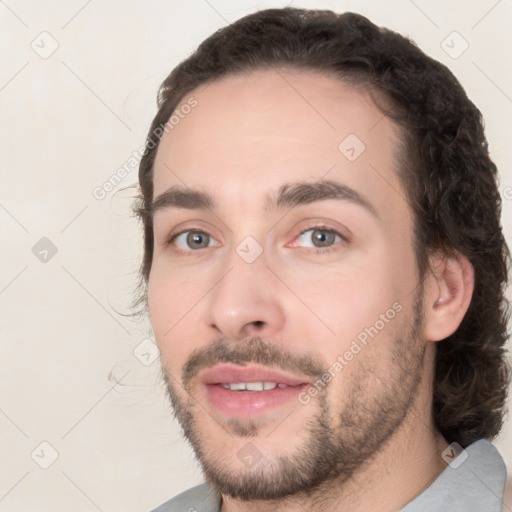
x,y
244,404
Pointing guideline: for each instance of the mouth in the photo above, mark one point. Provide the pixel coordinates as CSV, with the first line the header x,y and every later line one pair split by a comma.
x,y
249,391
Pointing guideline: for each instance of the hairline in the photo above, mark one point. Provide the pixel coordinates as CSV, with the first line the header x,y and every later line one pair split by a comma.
x,y
403,151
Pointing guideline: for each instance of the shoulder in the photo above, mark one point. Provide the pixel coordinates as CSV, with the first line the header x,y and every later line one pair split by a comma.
x,y
201,498
474,480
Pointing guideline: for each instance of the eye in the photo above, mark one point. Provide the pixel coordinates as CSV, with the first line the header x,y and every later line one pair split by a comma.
x,y
192,240
318,238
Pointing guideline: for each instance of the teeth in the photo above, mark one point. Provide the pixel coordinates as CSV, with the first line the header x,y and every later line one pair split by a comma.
x,y
252,386
237,387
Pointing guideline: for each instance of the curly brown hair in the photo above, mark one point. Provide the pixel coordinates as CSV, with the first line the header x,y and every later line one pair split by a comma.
x,y
449,178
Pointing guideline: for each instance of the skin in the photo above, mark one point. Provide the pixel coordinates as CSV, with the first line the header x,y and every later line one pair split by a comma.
x,y
249,135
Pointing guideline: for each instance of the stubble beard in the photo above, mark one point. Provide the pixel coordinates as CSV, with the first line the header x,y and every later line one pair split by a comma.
x,y
335,443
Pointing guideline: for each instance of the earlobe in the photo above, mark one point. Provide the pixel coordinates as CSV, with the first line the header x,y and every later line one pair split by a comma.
x,y
447,295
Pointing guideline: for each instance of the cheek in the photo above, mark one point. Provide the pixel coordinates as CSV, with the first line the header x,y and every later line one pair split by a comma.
x,y
363,300
171,303
171,294
347,299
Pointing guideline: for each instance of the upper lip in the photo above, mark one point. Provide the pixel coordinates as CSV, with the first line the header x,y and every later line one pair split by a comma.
x,y
231,374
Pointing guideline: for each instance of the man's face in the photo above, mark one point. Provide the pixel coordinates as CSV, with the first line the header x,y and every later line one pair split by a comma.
x,y
298,268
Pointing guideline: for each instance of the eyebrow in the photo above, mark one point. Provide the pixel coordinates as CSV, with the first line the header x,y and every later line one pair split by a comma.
x,y
288,195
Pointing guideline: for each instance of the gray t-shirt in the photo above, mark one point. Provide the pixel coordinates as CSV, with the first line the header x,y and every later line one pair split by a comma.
x,y
472,484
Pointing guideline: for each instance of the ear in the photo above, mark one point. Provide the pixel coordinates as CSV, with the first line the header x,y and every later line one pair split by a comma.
x,y
448,291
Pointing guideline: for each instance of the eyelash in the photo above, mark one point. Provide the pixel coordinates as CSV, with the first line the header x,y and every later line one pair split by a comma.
x,y
317,250
325,250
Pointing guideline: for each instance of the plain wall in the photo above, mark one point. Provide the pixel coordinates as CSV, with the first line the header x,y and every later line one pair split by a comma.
x,y
69,372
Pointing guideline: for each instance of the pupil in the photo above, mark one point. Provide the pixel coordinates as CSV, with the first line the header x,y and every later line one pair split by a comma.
x,y
322,238
197,240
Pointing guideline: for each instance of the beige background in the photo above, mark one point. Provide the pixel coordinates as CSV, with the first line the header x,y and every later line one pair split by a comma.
x,y
68,122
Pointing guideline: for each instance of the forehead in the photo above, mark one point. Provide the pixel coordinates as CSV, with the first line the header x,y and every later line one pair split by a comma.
x,y
252,132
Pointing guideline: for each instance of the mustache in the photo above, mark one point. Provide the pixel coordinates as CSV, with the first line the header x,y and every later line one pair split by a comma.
x,y
252,350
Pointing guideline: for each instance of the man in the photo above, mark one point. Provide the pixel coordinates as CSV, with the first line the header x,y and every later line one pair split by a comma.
x,y
324,271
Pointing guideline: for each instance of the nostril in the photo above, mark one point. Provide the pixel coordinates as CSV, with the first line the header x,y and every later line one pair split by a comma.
x,y
258,323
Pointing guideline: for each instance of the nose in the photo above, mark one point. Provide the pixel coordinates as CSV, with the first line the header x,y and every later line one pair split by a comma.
x,y
246,302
